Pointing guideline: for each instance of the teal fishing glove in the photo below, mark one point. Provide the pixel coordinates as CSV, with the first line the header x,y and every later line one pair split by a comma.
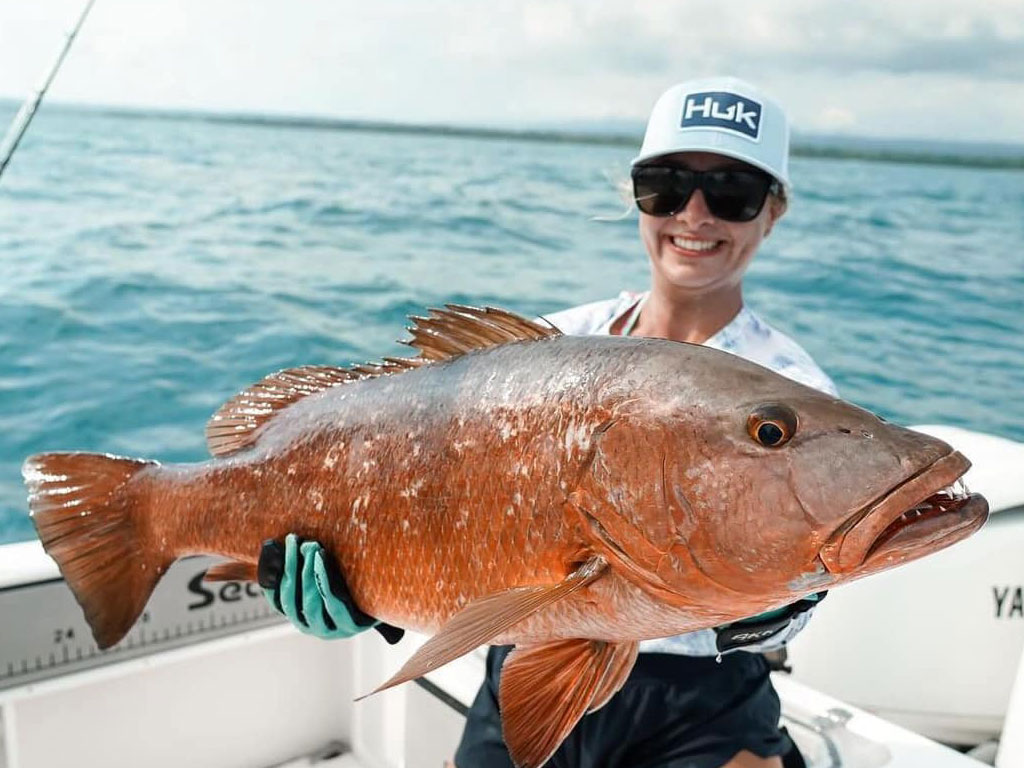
x,y
302,581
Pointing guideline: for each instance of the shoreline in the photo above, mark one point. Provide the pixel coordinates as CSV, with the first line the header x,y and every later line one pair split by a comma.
x,y
819,147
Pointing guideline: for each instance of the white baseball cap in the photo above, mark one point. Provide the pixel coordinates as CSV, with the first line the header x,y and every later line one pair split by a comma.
x,y
723,115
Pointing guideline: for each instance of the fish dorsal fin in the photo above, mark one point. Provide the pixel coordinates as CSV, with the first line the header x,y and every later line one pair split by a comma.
x,y
443,334
486,618
235,425
457,329
546,689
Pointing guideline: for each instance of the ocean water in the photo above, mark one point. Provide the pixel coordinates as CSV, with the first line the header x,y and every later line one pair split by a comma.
x,y
151,268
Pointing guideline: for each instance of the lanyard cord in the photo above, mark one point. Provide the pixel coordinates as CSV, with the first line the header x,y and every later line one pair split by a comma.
x,y
634,316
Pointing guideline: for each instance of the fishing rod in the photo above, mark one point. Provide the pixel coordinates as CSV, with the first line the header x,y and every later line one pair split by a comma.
x,y
28,109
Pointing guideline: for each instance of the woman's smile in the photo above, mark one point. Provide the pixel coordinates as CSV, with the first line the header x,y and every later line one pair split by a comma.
x,y
690,246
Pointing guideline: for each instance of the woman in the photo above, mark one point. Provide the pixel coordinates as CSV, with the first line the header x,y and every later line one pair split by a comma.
x,y
710,183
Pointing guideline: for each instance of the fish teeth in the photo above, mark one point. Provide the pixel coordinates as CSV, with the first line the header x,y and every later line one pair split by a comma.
x,y
915,512
958,490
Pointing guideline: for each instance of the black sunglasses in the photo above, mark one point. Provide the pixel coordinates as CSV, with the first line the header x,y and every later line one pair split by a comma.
x,y
732,194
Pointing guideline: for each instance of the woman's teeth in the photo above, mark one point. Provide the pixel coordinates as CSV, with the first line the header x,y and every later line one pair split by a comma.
x,y
694,245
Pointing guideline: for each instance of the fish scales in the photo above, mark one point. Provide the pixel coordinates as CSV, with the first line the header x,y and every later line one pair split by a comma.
x,y
480,506
570,495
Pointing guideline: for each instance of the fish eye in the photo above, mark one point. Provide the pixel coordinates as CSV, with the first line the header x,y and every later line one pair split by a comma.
x,y
772,425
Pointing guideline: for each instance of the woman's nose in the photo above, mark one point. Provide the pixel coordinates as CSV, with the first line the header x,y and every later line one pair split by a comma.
x,y
695,211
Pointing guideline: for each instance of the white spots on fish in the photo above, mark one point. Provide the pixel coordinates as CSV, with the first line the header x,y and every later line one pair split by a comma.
x,y
439,585
461,445
462,521
510,512
354,510
412,490
316,498
331,457
415,450
523,470
507,431
291,470
405,526
577,436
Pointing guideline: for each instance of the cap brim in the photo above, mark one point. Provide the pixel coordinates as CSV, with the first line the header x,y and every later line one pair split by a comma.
x,y
725,152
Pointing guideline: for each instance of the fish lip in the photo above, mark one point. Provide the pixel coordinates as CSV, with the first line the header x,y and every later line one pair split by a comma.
x,y
930,534
852,544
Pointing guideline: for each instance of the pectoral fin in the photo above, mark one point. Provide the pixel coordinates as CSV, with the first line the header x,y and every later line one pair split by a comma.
x,y
486,618
546,689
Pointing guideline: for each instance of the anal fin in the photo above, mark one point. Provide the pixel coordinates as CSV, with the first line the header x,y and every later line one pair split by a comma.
x,y
233,570
546,689
486,618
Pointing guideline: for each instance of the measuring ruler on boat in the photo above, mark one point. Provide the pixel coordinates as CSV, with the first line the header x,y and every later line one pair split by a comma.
x,y
43,633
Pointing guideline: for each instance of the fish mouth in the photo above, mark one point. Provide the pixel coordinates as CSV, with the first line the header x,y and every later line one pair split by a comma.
x,y
928,511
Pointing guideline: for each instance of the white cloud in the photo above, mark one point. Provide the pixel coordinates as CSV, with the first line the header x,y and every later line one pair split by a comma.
x,y
833,118
875,66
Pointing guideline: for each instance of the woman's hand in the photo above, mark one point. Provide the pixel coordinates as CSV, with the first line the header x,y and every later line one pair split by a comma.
x,y
302,581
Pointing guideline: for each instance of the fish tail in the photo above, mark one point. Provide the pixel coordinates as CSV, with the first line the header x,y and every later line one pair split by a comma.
x,y
88,513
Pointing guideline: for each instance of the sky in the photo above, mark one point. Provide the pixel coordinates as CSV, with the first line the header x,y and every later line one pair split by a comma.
x,y
930,69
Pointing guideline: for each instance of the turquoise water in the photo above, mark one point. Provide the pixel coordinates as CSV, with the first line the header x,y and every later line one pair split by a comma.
x,y
150,268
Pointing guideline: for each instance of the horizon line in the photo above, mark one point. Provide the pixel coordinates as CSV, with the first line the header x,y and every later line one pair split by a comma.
x,y
812,145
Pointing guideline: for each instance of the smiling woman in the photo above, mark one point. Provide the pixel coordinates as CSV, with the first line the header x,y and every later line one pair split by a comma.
x,y
710,184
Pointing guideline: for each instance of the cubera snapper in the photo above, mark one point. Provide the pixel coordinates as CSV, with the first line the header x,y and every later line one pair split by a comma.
x,y
569,495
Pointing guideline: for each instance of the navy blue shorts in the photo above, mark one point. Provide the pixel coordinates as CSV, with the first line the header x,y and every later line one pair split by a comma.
x,y
673,712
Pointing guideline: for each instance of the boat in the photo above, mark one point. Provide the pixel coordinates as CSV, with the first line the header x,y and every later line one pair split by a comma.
x,y
933,645
212,677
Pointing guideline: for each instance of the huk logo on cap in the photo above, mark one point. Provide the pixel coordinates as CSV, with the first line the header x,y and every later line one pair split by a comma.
x,y
723,110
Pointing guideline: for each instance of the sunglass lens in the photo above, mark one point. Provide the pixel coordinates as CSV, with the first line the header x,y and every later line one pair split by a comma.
x,y
661,191
735,195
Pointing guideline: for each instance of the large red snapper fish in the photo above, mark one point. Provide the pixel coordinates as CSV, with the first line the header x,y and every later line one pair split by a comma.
x,y
570,495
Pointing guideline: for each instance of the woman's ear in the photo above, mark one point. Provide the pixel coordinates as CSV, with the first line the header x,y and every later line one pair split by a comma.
x,y
777,206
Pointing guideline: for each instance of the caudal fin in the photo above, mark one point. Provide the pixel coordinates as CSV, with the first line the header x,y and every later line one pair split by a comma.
x,y
88,513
